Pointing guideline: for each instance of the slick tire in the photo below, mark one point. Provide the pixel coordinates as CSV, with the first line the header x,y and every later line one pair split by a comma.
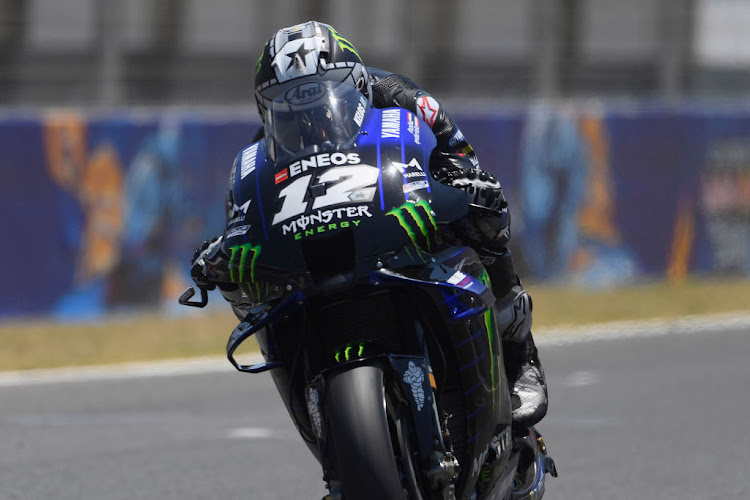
x,y
359,431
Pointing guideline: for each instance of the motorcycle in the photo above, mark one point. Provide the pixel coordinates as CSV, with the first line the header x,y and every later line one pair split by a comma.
x,y
379,332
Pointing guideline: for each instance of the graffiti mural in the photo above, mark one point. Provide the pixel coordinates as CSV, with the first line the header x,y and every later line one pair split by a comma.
x,y
725,204
101,213
93,214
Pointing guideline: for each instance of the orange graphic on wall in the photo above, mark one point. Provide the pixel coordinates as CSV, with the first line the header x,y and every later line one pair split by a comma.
x,y
597,209
95,179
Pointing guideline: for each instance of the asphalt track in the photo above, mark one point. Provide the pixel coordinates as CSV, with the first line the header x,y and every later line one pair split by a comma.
x,y
650,416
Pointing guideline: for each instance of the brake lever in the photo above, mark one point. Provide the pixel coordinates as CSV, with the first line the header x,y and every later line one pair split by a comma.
x,y
188,294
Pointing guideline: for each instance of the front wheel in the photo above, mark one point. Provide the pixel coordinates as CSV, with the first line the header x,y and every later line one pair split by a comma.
x,y
358,428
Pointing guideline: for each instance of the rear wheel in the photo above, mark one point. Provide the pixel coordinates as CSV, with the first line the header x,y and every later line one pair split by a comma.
x,y
358,427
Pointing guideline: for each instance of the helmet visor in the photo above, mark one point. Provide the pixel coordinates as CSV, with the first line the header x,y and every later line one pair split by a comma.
x,y
313,117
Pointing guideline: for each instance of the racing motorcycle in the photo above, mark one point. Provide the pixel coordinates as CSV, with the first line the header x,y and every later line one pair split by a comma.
x,y
379,332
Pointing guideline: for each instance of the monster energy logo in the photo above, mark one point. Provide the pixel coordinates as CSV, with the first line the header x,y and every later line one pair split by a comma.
x,y
344,44
260,61
238,260
351,351
409,215
491,327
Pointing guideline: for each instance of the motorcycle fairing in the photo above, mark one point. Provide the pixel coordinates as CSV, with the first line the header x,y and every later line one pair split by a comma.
x,y
467,304
282,239
359,206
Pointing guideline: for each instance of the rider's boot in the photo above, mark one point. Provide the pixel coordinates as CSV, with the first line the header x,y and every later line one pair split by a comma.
x,y
522,365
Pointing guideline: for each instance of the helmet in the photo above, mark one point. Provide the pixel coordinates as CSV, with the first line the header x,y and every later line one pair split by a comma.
x,y
313,51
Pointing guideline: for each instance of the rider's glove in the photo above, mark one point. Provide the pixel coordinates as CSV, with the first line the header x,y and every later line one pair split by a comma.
x,y
198,266
482,187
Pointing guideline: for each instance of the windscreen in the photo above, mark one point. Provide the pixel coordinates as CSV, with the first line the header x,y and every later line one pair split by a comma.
x,y
313,117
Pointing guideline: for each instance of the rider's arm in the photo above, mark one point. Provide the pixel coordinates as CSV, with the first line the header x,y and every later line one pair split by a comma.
x,y
453,162
391,89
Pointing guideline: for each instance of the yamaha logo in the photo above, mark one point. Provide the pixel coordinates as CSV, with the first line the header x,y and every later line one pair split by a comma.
x,y
304,93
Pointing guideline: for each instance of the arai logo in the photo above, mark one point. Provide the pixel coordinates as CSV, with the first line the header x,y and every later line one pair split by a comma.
x,y
304,93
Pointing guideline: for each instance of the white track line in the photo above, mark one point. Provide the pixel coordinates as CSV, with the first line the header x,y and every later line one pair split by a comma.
x,y
167,368
650,328
550,336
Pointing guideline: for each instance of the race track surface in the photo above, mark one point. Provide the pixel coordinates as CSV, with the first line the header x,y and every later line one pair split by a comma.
x,y
658,417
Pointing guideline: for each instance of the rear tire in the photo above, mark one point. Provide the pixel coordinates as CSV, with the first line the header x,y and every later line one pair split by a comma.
x,y
359,431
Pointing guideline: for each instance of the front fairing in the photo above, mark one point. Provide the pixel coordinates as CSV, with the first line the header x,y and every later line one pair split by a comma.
x,y
343,213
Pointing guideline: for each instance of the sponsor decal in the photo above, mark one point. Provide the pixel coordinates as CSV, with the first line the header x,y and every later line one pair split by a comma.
x,y
460,279
237,213
414,127
238,231
418,222
344,44
415,378
334,226
427,109
326,220
391,124
359,115
281,176
322,160
349,352
238,262
414,186
313,408
403,167
491,326
304,93
247,163
414,175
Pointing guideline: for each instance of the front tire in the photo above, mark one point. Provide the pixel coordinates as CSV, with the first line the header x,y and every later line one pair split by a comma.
x,y
359,431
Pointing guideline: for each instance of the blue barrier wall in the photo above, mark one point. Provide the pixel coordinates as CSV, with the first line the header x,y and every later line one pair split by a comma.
x,y
103,212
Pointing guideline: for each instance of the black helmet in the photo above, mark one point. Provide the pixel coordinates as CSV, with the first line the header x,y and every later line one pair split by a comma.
x,y
314,51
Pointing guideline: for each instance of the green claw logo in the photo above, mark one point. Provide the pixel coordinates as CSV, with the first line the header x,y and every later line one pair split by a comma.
x,y
491,327
344,44
351,351
238,261
409,215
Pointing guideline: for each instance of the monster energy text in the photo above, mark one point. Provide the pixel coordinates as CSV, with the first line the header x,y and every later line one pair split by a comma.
x,y
326,220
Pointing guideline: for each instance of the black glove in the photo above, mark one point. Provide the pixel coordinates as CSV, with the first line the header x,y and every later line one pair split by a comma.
x,y
198,266
482,187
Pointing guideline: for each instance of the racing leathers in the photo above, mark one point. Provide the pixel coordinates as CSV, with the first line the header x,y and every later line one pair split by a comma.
x,y
486,229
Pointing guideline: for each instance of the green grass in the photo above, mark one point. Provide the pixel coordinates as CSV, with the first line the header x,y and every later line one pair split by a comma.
x,y
47,344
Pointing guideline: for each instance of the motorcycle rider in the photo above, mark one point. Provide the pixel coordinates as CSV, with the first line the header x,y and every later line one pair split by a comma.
x,y
316,51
